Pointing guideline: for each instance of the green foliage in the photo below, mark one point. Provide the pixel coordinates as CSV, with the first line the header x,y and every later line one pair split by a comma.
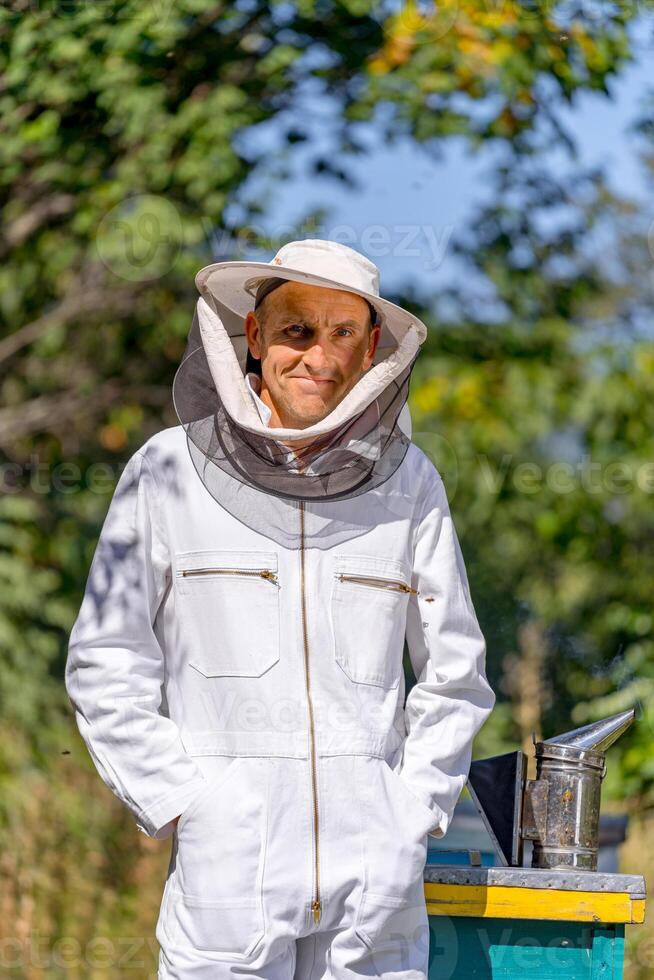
x,y
545,440
122,146
512,59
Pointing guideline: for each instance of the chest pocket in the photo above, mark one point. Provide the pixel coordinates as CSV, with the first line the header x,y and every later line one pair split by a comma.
x,y
229,611
369,601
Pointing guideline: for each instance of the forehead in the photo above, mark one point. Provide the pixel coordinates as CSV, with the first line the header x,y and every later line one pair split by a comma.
x,y
301,298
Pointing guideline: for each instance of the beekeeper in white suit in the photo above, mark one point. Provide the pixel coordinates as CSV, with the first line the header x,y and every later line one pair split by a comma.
x,y
236,665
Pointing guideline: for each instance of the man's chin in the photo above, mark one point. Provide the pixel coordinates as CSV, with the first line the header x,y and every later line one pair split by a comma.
x,y
303,417
306,411
307,421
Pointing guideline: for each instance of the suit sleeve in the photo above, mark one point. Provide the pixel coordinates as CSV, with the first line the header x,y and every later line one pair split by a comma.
x,y
451,698
115,665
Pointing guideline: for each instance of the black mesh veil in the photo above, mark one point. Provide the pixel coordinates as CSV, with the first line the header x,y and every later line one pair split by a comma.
x,y
261,479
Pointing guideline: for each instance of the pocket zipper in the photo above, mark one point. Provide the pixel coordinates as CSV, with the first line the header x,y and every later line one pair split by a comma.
x,y
264,573
379,583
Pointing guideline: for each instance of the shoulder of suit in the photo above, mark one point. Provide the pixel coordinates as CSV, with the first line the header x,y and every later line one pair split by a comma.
x,y
421,466
165,451
172,439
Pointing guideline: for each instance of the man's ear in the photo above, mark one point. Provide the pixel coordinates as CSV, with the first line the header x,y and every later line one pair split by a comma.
x,y
373,341
253,335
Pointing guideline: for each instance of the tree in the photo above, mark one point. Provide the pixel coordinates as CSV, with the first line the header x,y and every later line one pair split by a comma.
x,y
539,384
122,154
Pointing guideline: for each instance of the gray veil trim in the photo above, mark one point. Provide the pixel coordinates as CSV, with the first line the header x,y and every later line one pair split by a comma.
x,y
261,481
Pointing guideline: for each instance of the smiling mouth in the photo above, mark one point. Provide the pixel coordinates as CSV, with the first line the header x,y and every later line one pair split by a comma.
x,y
315,381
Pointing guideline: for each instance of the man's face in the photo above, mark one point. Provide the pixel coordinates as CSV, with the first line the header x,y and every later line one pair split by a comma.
x,y
314,345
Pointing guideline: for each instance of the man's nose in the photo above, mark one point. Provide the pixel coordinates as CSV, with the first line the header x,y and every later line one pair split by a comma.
x,y
316,357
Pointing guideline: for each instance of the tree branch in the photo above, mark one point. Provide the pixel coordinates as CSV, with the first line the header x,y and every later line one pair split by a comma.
x,y
83,301
19,230
49,413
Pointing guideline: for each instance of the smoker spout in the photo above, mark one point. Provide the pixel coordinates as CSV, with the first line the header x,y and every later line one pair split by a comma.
x,y
598,735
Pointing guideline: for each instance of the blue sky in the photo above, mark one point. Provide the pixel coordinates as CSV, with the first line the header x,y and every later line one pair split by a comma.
x,y
407,204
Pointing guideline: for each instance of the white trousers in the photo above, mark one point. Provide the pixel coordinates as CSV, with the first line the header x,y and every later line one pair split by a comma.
x,y
242,874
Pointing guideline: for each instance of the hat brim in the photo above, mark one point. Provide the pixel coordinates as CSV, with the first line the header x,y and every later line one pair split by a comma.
x,y
234,284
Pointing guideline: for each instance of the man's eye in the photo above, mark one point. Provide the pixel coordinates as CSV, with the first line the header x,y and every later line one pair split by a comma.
x,y
297,326
344,330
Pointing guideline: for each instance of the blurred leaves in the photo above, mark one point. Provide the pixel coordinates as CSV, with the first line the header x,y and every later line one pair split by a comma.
x,y
121,147
544,394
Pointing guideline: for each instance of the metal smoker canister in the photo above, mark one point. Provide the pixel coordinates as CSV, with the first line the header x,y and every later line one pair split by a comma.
x,y
567,796
562,805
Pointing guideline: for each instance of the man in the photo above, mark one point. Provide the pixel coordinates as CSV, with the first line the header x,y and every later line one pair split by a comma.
x,y
236,665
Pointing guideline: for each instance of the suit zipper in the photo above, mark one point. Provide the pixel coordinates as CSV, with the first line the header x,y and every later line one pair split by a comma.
x,y
378,583
316,906
265,573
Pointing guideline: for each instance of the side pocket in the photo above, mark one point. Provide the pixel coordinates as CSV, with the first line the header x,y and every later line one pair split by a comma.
x,y
163,919
425,816
377,917
394,846
217,896
233,925
204,791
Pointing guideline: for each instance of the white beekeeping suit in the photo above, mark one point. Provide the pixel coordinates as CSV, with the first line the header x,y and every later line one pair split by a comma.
x,y
237,658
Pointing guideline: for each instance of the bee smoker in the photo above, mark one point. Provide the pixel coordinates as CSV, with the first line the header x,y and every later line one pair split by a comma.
x,y
558,810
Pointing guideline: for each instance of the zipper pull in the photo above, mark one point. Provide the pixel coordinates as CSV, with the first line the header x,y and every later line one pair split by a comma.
x,y
270,576
386,583
316,908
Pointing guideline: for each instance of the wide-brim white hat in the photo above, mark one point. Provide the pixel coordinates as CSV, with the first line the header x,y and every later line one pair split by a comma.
x,y
252,470
320,262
